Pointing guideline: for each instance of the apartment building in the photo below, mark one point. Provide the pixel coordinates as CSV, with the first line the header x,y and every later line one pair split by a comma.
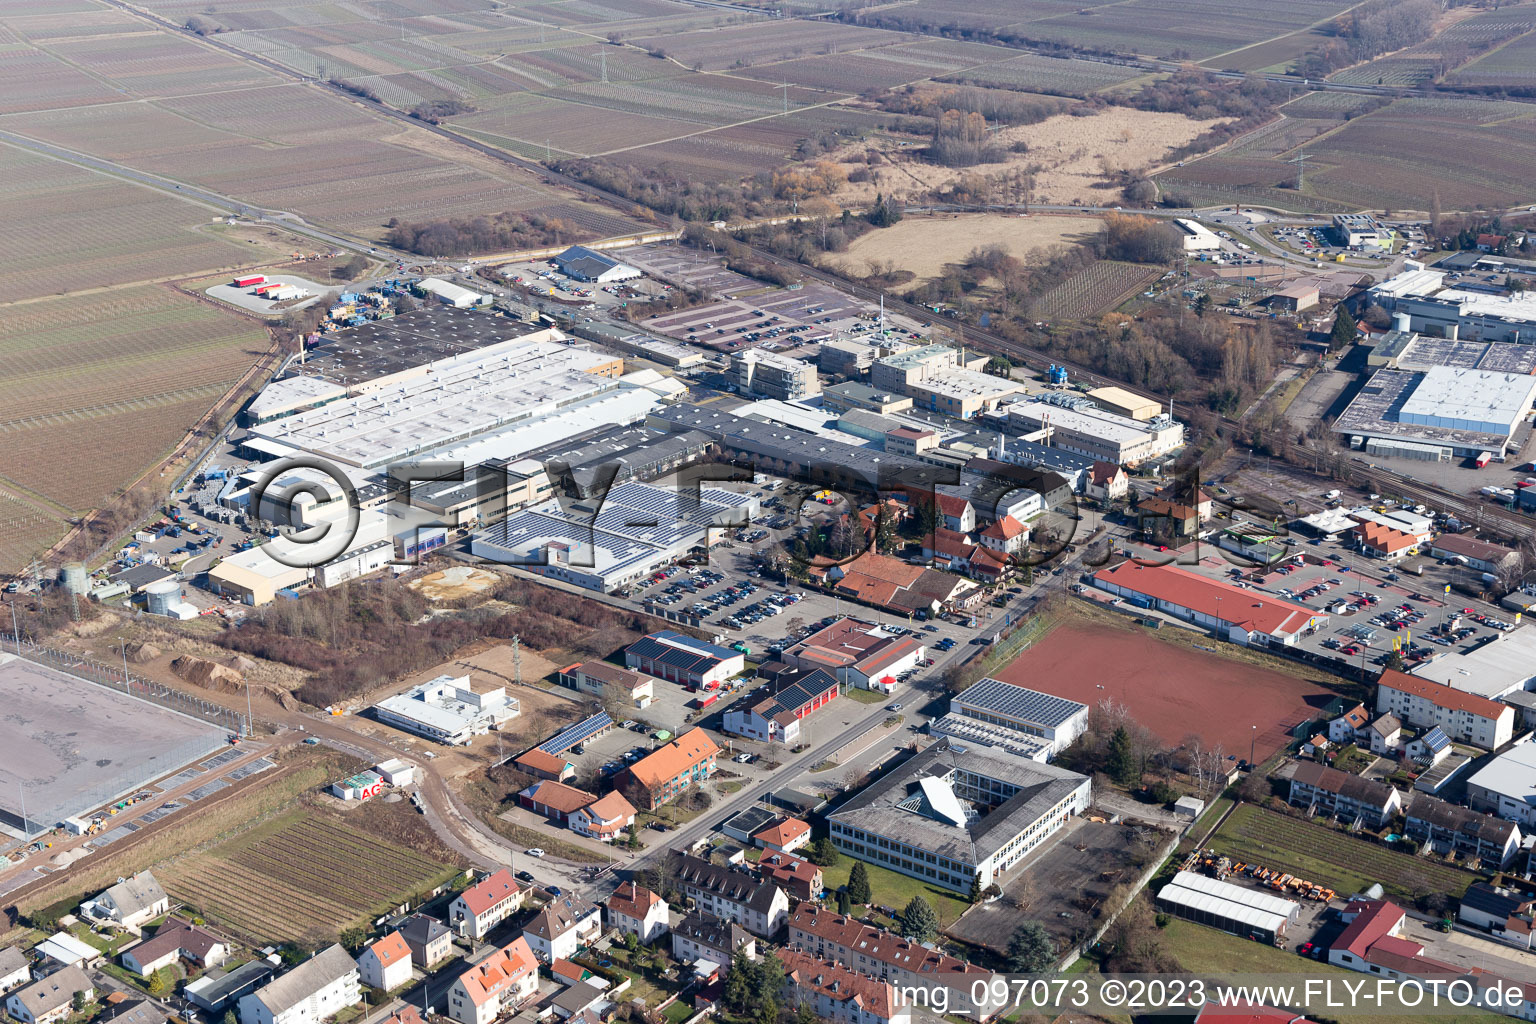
x,y
485,904
1449,828
1465,717
733,895
495,985
1337,794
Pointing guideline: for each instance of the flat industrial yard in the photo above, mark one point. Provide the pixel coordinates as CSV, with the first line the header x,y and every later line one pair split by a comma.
x,y
68,746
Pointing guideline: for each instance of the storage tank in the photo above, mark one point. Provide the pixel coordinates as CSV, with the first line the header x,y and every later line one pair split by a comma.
x,y
159,597
74,577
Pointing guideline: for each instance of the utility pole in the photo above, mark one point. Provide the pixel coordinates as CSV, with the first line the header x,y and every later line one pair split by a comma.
x,y
1301,169
124,646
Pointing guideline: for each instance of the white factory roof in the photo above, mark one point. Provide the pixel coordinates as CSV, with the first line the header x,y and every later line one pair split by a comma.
x,y
1330,520
291,392
652,380
1471,397
448,290
1512,773
1228,901
1416,280
959,383
775,359
438,703
1094,422
624,406
455,399
1493,670
1515,306
808,418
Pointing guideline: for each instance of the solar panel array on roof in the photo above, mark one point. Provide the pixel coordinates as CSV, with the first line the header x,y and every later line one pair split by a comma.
x,y
1012,701
582,731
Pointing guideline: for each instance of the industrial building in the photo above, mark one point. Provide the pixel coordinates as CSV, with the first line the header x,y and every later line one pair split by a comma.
x,y
1296,297
1360,231
448,710
1242,616
854,395
1494,669
961,393
606,542
774,375
1126,403
951,814
586,264
449,293
1261,916
1425,303
1090,431
695,664
1439,414
999,714
896,372
1407,350
1197,237
1506,786
859,654
446,403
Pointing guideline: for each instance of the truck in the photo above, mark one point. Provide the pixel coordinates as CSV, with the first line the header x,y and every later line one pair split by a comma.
x,y
1332,495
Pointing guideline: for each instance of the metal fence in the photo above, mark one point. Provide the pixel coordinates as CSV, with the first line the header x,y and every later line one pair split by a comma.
x,y
116,677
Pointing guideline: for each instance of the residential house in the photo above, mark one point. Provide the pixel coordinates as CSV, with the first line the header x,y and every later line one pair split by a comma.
x,y
704,937
1386,735
604,819
885,955
215,992
1378,540
129,903
1449,828
430,942
635,910
1431,748
318,988
407,1014
176,940
385,963
496,985
897,586
838,994
1106,481
485,904
774,715
1465,717
795,875
137,1011
599,677
858,652
1155,515
50,998
581,1003
787,836
566,924
1328,791
1349,727
1505,914
758,906
14,968
669,770
1007,536
955,513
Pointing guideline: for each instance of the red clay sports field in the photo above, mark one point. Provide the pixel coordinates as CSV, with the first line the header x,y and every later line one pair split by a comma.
x,y
1170,689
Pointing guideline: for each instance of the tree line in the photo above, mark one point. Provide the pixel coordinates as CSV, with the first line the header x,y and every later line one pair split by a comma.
x,y
468,236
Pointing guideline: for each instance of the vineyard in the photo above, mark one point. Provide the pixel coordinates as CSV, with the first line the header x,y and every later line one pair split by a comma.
x,y
1037,73
1325,855
301,878
1513,66
1100,286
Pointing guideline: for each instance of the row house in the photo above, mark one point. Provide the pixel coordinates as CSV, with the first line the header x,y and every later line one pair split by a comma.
x,y
702,937
839,994
1449,828
1350,798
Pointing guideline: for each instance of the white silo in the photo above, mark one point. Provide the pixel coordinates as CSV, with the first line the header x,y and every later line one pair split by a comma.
x,y
74,578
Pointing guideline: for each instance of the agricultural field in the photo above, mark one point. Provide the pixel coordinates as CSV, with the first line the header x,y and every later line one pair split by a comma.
x,y
1054,75
716,49
1325,855
1271,55
1457,43
125,371
1102,285
1512,66
303,876
924,245
27,528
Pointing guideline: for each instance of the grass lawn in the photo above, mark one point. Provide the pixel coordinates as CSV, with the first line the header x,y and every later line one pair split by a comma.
x,y
107,944
1322,854
865,696
1205,950
732,786
890,889
678,1012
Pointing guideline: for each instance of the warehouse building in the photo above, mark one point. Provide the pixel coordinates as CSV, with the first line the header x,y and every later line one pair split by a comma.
x,y
951,814
1427,305
1242,616
448,710
960,393
1197,237
605,543
447,403
1506,786
696,664
1440,414
1126,403
586,264
1405,350
449,293
854,395
1296,297
1098,434
1256,915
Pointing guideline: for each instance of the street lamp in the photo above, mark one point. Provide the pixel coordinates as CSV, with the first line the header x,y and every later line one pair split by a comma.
x,y
1252,739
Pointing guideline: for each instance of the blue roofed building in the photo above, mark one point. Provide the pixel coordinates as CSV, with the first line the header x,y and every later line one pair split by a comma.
x,y
586,264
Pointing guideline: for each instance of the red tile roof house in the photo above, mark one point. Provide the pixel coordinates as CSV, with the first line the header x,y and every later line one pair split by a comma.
x,y
496,985
635,910
669,770
1107,482
385,963
838,994
544,765
955,513
787,836
485,904
1377,541
795,875
604,819
554,800
1350,725
1007,536
176,940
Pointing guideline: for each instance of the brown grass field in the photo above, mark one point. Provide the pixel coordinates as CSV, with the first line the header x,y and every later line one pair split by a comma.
x,y
1169,687
924,245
